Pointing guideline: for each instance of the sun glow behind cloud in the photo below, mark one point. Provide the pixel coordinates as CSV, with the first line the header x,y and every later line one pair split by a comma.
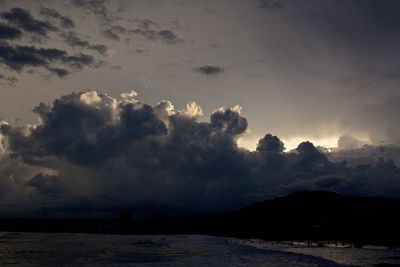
x,y
328,142
250,143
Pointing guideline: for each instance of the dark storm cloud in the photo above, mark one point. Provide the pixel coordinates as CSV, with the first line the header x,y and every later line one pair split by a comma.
x,y
270,143
46,184
366,155
23,19
229,121
91,130
8,32
92,138
17,58
65,21
361,181
134,153
209,70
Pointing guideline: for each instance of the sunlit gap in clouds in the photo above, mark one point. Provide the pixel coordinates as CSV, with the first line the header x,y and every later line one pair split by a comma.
x,y
328,141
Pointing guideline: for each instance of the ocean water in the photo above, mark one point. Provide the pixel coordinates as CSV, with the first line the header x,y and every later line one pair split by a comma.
x,y
65,249
372,256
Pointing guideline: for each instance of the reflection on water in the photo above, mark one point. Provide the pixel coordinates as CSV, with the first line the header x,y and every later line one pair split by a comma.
x,y
46,249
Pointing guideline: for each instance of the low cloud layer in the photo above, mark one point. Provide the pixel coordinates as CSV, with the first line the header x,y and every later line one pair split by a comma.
x,y
73,40
94,150
15,56
146,29
9,32
65,21
23,19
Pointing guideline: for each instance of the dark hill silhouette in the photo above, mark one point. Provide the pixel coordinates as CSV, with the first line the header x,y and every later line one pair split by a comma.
x,y
321,215
307,216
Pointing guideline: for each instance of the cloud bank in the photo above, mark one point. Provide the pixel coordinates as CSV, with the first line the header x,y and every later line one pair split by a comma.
x,y
93,150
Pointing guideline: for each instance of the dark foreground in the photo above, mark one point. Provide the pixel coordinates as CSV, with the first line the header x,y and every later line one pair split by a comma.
x,y
76,249
308,216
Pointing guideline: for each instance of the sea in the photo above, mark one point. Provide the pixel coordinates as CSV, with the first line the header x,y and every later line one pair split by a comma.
x,y
74,249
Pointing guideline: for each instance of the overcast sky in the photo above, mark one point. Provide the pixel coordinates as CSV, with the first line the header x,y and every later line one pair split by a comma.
x,y
109,84
310,70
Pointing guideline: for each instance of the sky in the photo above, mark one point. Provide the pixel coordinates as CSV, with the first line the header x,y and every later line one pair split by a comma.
x,y
89,87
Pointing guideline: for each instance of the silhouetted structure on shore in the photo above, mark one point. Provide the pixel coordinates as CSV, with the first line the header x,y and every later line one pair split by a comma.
x,y
318,215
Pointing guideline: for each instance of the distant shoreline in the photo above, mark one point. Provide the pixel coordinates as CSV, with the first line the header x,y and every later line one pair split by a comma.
x,y
279,245
343,255
312,217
